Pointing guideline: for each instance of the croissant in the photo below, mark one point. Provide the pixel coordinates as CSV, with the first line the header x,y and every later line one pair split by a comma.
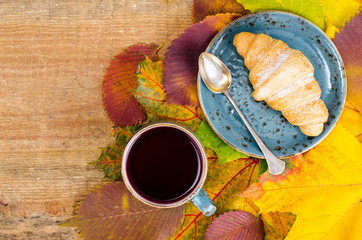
x,y
283,77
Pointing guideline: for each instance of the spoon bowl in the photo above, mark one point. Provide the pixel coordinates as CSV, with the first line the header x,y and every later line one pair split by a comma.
x,y
217,78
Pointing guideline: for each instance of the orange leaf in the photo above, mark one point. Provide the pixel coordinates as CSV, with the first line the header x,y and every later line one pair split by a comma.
x,y
204,8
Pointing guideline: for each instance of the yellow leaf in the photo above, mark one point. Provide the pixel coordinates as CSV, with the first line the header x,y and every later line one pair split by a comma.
x,y
351,119
349,226
329,15
337,12
331,29
277,225
322,187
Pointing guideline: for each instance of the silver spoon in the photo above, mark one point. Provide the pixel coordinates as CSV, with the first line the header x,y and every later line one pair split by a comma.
x,y
217,78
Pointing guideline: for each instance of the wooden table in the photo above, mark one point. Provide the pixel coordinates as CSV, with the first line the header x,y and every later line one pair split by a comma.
x,y
53,56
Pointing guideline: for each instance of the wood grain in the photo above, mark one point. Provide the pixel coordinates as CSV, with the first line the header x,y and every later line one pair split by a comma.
x,y
53,56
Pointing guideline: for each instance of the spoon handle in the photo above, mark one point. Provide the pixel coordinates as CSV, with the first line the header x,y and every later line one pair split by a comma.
x,y
275,165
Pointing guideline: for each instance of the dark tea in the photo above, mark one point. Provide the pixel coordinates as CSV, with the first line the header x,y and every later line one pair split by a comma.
x,y
164,165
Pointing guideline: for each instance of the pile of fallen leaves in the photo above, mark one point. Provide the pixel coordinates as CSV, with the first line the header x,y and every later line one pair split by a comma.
x,y
317,197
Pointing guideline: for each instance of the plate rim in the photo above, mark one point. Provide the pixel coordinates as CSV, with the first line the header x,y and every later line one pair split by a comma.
x,y
343,76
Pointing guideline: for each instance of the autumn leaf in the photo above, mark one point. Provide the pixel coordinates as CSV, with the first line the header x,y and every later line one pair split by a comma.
x,y
351,119
348,42
204,8
349,226
324,185
181,63
150,93
274,225
277,224
235,225
209,139
110,160
223,183
337,13
119,82
329,15
111,212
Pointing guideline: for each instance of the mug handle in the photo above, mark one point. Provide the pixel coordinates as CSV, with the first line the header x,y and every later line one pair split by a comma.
x,y
204,203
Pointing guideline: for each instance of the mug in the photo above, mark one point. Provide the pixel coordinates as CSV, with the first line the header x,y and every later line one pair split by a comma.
x,y
164,165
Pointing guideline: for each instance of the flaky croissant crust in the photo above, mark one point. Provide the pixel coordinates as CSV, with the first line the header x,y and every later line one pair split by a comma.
x,y
283,77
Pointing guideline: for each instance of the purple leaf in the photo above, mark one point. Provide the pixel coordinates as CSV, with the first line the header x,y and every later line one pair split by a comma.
x,y
181,63
348,42
235,225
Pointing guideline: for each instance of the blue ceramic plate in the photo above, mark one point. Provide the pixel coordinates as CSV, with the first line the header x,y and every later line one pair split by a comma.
x,y
282,138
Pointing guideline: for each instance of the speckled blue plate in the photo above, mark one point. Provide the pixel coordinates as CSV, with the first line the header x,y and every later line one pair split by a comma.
x,y
282,138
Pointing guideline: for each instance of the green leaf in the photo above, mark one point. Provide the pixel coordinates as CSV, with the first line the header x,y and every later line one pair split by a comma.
x,y
110,160
263,166
329,15
111,212
209,138
150,93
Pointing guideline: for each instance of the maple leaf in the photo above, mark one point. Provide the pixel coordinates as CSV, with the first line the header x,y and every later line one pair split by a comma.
x,y
204,8
181,63
111,212
329,15
119,82
209,139
235,225
150,93
323,186
348,42
110,159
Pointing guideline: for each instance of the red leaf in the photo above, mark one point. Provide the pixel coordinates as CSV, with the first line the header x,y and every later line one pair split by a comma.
x,y
119,82
181,63
348,42
236,225
111,212
203,8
